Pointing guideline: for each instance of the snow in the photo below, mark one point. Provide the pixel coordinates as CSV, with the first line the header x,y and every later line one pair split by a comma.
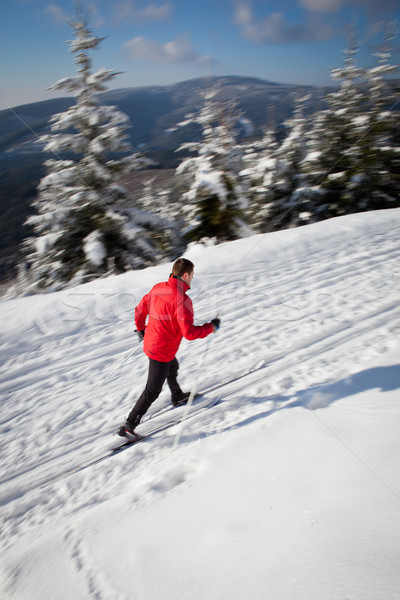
x,y
94,249
209,182
337,176
361,121
289,488
312,156
43,242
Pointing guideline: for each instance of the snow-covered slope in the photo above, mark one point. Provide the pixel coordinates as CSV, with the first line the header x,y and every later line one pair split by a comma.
x,y
289,488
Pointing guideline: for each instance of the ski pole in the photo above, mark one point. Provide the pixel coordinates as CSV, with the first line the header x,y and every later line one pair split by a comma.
x,y
190,399
73,415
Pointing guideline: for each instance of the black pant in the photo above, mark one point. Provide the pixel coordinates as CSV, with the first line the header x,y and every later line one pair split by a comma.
x,y
158,373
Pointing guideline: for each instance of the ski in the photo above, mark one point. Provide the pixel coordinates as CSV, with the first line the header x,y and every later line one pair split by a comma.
x,y
157,428
175,421
141,437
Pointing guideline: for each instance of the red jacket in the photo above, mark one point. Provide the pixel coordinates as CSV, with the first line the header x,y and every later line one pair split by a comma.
x,y
170,313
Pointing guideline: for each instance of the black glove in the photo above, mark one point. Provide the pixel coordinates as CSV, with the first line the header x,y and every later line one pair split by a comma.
x,y
140,335
216,322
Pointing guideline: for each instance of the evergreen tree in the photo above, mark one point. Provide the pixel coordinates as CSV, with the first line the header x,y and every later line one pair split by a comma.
x,y
77,234
279,166
351,160
260,168
162,216
213,200
332,143
377,184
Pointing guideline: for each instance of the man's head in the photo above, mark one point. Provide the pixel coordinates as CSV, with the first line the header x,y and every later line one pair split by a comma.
x,y
183,268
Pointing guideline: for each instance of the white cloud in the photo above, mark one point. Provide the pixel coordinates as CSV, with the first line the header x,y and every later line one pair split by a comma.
x,y
276,29
129,11
94,15
57,13
60,17
175,51
243,14
325,6
371,7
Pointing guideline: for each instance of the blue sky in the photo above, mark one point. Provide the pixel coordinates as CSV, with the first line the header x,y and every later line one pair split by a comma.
x,y
157,42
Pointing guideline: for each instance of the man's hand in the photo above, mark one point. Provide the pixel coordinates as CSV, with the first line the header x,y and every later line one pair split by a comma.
x,y
140,335
216,323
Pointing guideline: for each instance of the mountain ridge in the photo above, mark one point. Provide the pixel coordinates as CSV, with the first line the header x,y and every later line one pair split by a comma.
x,y
152,108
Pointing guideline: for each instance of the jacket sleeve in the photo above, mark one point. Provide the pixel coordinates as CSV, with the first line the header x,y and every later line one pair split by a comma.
x,y
185,320
141,312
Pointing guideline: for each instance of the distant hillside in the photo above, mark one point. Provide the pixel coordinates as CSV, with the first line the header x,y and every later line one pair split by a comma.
x,y
154,112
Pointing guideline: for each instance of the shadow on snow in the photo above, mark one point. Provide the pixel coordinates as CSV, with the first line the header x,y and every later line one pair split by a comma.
x,y
384,379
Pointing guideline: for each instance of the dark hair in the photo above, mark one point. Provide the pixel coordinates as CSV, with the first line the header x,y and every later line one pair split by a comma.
x,y
182,266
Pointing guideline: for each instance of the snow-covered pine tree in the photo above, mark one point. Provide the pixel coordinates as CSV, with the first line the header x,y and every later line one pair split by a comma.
x,y
213,200
277,174
351,154
333,143
260,167
76,233
160,213
377,184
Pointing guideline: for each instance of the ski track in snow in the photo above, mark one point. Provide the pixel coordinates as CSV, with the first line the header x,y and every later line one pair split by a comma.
x,y
314,314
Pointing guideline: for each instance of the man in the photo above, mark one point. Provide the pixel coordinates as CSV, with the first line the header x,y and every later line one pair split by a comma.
x,y
170,318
